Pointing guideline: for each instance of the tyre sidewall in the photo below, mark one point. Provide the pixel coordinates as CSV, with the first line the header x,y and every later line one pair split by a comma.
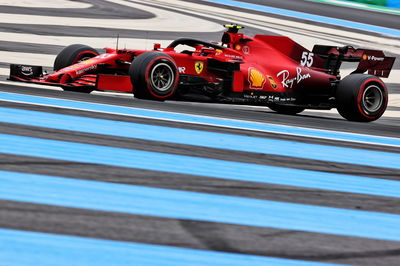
x,y
153,90
381,110
140,72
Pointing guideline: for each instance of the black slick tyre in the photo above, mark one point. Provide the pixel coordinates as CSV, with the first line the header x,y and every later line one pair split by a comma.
x,y
154,76
361,98
285,109
73,54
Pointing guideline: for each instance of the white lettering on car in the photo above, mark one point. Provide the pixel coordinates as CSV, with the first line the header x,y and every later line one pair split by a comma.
x,y
81,71
300,76
373,58
182,70
307,59
27,70
288,82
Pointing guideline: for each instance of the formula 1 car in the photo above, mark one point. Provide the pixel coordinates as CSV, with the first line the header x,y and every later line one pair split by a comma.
x,y
262,70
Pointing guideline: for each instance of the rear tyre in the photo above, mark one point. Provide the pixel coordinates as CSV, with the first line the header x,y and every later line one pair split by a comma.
x,y
154,76
361,98
71,55
285,109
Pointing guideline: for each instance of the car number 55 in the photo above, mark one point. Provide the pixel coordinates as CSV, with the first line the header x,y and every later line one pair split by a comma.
x,y
307,59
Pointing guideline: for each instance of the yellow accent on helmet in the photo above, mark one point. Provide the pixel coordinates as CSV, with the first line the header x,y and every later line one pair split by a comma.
x,y
230,26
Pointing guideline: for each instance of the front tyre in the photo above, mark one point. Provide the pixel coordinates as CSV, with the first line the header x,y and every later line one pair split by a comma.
x,y
154,76
361,98
73,54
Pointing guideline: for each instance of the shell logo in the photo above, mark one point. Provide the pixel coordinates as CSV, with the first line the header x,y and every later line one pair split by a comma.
x,y
364,57
256,79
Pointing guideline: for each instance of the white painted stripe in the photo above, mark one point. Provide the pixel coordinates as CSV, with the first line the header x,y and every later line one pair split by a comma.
x,y
394,100
129,43
45,3
352,4
27,58
66,40
163,21
4,71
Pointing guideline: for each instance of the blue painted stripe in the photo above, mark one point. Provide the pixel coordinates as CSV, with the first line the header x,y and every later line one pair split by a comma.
x,y
176,204
393,3
85,153
33,248
311,17
187,118
201,138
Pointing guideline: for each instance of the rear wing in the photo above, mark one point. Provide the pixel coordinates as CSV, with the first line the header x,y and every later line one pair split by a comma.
x,y
373,61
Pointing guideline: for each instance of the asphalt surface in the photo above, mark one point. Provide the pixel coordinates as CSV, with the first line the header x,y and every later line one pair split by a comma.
x,y
273,241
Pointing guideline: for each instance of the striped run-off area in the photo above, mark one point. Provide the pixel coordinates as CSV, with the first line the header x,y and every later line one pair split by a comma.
x,y
149,174
105,179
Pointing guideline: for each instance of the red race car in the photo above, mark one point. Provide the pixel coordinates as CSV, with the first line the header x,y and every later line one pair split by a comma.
x,y
262,70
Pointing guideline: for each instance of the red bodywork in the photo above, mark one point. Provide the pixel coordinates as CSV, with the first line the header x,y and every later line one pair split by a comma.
x,y
239,69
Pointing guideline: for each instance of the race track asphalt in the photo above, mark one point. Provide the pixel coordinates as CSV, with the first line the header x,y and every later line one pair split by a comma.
x,y
312,218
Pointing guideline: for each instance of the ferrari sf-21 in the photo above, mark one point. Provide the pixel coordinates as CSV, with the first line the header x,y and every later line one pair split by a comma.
x,y
265,70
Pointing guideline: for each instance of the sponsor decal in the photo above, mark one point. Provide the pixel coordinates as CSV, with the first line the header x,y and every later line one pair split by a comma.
x,y
246,49
272,82
182,70
374,58
238,47
287,81
199,66
81,71
234,56
27,70
270,98
256,78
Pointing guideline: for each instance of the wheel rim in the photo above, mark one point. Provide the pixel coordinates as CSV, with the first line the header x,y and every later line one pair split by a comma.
x,y
162,77
372,99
